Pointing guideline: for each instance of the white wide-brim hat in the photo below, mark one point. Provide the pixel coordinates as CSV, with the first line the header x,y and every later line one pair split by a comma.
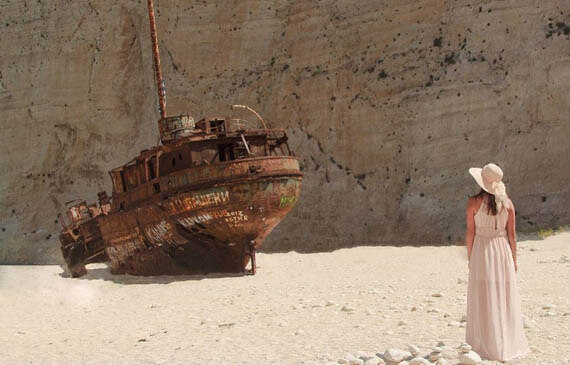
x,y
490,179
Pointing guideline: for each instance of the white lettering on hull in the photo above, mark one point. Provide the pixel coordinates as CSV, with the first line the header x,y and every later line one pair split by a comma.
x,y
206,200
159,233
189,222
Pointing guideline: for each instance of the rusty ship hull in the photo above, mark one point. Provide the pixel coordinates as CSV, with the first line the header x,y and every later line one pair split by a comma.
x,y
197,225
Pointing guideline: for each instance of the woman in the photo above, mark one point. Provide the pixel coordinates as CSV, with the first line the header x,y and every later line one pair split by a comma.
x,y
494,326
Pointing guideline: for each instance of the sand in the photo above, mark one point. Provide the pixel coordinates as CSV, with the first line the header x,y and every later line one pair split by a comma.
x,y
298,309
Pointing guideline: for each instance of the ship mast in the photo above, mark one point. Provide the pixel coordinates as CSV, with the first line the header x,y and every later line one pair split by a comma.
x,y
156,57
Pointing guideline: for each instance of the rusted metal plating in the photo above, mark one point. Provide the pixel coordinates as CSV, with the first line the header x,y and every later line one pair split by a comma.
x,y
201,203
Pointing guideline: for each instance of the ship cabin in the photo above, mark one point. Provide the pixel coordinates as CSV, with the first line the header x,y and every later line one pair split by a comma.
x,y
187,152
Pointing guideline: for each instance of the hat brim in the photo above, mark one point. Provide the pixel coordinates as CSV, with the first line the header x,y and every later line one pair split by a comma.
x,y
476,173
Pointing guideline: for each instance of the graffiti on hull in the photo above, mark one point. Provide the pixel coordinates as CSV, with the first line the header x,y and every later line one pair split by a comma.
x,y
190,222
206,200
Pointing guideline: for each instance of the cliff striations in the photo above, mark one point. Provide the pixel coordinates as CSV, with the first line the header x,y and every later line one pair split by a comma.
x,y
387,104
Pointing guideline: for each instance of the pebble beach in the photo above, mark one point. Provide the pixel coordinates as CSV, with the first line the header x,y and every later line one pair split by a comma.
x,y
363,305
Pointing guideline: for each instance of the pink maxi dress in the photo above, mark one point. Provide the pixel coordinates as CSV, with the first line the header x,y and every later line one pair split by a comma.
x,y
494,327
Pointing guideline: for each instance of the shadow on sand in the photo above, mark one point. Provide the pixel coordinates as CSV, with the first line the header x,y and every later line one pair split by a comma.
x,y
101,272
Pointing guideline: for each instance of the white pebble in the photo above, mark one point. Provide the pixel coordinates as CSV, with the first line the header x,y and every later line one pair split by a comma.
x,y
419,361
356,362
364,356
347,309
374,361
380,357
454,324
434,356
414,350
449,353
464,347
396,355
469,358
402,323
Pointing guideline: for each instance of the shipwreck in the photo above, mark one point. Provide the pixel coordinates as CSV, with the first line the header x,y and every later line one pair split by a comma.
x,y
201,201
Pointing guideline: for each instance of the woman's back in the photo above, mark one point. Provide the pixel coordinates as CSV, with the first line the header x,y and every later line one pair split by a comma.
x,y
489,225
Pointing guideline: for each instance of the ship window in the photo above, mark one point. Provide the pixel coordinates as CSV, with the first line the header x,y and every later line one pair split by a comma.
x,y
180,156
156,188
123,181
168,164
222,152
151,172
217,125
209,154
225,152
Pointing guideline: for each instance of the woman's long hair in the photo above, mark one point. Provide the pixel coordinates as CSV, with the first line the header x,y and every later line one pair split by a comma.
x,y
490,198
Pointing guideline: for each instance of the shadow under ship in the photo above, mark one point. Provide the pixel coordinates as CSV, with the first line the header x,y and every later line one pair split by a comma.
x,y
203,201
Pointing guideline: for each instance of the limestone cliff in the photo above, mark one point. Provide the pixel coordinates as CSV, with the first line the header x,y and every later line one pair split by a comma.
x,y
387,104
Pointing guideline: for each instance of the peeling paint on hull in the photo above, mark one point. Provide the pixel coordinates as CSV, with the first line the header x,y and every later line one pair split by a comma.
x,y
193,230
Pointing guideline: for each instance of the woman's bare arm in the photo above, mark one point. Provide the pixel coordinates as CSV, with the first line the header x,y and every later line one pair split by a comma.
x,y
511,231
470,234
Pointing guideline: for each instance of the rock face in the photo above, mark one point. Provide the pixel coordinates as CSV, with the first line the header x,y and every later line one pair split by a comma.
x,y
387,105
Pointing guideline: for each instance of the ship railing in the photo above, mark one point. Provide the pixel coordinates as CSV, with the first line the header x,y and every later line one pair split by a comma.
x,y
238,124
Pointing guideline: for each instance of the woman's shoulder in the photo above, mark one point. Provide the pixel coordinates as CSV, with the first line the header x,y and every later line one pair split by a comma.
x,y
510,205
474,202
474,199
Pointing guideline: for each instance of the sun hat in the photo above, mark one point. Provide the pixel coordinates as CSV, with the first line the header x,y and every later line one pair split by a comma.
x,y
490,179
